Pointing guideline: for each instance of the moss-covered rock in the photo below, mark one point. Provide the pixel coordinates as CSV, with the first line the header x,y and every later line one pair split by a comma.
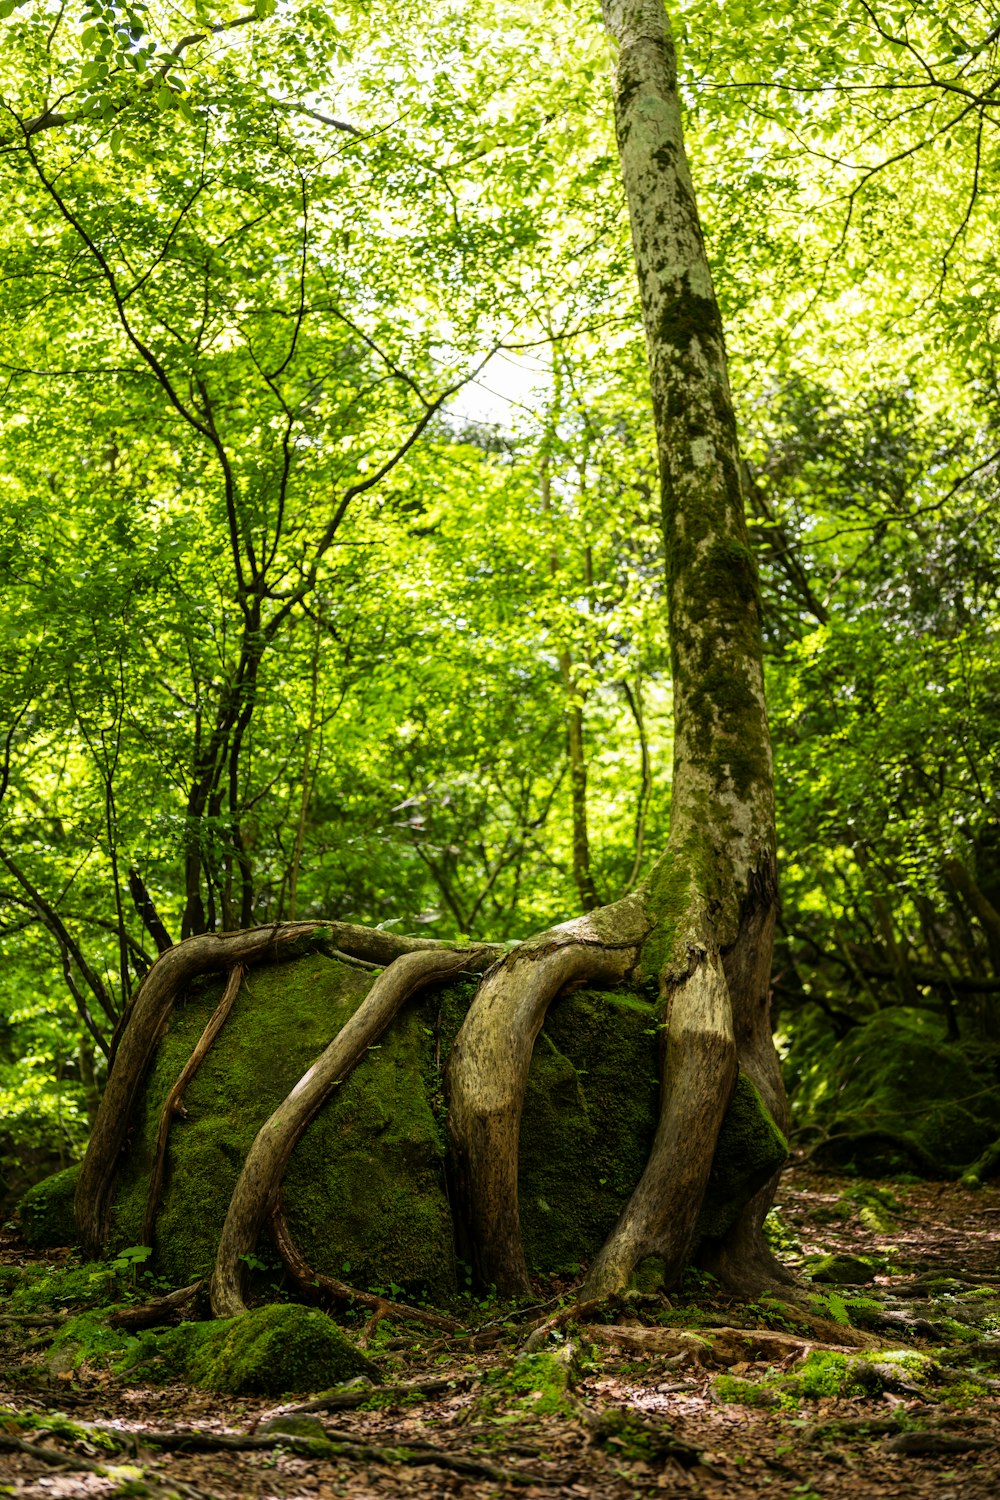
x,y
894,1095
281,1347
46,1211
366,1193
842,1270
269,1350
589,1118
749,1151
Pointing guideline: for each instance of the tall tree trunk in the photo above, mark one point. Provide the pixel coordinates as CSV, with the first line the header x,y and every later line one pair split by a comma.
x,y
701,925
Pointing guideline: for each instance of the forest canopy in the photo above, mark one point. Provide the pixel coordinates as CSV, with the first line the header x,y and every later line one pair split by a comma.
x,y
333,574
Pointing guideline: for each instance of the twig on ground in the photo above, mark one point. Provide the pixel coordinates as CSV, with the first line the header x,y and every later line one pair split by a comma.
x,y
348,1398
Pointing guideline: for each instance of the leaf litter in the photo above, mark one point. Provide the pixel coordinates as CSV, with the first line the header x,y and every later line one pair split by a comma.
x,y
886,1387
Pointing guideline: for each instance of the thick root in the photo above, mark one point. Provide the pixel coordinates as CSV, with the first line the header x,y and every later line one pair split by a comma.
x,y
146,1024
487,1072
256,1191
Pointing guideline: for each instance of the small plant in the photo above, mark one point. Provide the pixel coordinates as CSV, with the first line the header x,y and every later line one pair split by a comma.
x,y
127,1262
831,1305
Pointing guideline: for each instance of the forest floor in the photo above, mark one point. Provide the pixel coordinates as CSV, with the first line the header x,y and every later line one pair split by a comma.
x,y
661,1402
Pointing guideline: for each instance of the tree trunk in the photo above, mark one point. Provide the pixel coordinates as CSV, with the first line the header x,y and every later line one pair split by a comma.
x,y
701,926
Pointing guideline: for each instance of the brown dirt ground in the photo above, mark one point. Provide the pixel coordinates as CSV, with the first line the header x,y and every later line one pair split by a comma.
x,y
803,1452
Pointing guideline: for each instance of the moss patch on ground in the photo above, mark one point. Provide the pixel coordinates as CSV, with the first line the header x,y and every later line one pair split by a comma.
x,y
281,1347
269,1350
749,1151
534,1384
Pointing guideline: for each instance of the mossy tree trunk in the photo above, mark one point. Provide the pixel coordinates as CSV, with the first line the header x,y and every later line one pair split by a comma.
x,y
702,923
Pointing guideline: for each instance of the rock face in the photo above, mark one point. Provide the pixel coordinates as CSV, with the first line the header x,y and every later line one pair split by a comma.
x,y
366,1193
894,1096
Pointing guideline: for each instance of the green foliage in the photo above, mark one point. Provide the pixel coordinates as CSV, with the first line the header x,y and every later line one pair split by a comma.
x,y
300,615
535,1384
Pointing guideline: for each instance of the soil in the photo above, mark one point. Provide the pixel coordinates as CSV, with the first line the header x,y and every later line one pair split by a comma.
x,y
632,1423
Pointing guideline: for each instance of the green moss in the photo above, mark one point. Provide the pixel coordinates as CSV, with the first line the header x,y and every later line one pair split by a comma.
x,y
649,1276
88,1339
822,1374
365,1188
749,1151
535,1383
274,1349
842,1270
964,1395
37,1287
590,1114
733,1391
46,1211
58,1425
280,1347
894,1095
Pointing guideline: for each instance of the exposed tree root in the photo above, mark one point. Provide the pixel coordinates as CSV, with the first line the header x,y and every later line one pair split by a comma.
x,y
168,1309
329,1442
576,1312
715,1346
147,1020
255,1194
314,1285
933,1444
71,1462
350,1397
174,1102
32,1320
487,1071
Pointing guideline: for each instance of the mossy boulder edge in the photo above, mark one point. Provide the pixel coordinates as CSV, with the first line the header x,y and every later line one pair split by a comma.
x,y
366,1193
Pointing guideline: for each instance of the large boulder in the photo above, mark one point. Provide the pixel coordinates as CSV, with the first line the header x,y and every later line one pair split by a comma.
x,y
366,1193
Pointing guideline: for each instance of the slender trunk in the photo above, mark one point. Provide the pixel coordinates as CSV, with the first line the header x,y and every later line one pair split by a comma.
x,y
308,779
701,926
575,748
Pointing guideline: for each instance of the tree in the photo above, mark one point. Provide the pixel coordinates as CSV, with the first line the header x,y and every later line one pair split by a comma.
x,y
702,922
700,926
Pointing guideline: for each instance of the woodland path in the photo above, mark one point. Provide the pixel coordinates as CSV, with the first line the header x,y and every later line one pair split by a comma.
x,y
689,1441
